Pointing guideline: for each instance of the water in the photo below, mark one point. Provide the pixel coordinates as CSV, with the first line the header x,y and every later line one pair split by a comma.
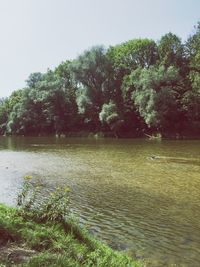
x,y
136,195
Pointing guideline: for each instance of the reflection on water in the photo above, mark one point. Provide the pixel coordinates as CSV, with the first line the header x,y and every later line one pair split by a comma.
x,y
143,196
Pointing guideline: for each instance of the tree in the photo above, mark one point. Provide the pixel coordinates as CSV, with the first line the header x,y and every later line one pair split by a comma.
x,y
48,107
193,49
93,72
171,51
130,88
155,97
33,79
191,97
4,113
133,54
69,88
110,115
191,104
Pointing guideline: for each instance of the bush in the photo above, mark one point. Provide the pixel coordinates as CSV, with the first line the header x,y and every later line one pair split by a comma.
x,y
37,203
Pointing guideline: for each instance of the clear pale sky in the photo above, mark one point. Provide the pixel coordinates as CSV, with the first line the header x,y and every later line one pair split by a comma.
x,y
40,34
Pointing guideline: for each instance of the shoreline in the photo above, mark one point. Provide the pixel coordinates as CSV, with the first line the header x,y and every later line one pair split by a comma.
x,y
99,135
28,243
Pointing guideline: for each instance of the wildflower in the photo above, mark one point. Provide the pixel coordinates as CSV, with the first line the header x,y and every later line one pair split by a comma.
x,y
27,177
66,189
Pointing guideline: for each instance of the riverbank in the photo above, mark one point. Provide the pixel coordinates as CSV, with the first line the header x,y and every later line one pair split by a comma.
x,y
27,243
110,134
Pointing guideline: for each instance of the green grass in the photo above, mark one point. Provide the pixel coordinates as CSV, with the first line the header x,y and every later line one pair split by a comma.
x,y
54,244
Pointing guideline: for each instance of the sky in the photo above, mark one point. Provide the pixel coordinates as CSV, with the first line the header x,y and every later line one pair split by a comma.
x,y
39,34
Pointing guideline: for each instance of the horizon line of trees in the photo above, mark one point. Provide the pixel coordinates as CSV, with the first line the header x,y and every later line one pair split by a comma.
x,y
133,88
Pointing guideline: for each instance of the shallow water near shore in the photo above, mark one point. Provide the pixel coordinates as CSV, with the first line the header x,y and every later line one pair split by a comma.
x,y
137,195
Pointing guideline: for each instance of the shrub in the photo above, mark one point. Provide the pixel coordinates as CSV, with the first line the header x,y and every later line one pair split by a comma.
x,y
37,203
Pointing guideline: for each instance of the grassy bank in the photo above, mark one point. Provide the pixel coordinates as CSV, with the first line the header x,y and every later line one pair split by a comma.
x,y
28,243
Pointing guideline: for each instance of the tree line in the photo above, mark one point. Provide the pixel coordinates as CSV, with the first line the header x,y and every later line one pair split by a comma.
x,y
131,89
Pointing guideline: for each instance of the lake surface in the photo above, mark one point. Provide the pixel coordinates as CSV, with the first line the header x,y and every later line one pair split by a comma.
x,y
136,195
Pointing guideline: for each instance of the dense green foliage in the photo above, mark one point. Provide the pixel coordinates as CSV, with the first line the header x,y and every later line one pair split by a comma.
x,y
52,244
133,88
41,232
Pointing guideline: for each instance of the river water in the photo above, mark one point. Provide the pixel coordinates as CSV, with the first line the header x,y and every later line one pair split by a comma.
x,y
136,195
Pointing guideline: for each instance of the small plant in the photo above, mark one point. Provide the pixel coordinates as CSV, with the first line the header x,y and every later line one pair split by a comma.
x,y
37,203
